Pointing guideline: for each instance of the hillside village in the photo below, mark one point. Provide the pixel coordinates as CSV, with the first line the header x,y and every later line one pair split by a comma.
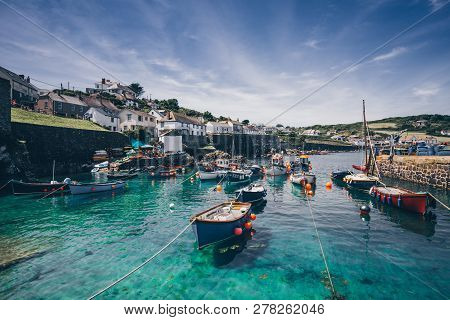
x,y
121,108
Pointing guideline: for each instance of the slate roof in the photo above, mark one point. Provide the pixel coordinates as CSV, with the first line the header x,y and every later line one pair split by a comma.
x,y
179,117
15,77
66,99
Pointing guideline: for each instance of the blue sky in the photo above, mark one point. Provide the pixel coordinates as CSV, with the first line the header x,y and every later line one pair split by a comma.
x,y
244,59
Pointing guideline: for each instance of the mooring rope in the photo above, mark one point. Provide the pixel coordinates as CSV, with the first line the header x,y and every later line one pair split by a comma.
x,y
442,204
6,184
48,194
321,249
142,264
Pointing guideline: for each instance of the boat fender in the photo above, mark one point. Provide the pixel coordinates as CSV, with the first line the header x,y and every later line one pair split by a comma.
x,y
383,199
253,216
248,225
364,209
67,181
399,202
389,200
237,231
371,192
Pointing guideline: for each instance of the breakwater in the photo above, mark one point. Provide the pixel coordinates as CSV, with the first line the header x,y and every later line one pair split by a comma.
x,y
428,170
247,145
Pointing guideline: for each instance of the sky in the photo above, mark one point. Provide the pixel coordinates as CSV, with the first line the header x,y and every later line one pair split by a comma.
x,y
243,59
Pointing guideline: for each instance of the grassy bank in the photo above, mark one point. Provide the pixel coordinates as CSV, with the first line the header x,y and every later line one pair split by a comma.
x,y
23,116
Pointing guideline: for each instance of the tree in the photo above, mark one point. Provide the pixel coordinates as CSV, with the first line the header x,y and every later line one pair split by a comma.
x,y
245,122
279,125
137,89
208,116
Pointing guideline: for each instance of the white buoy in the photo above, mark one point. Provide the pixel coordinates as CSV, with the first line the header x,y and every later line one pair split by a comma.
x,y
172,205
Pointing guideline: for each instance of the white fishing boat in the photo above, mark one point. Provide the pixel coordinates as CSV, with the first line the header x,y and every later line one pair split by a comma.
x,y
303,178
83,188
208,175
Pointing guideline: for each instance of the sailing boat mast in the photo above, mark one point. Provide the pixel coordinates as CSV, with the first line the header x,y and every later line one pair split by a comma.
x,y
365,133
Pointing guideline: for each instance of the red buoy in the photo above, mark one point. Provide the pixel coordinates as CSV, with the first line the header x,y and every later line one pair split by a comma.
x,y
237,231
253,216
248,225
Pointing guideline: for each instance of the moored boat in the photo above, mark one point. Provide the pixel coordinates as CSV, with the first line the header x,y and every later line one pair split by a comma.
x,y
83,188
24,188
238,176
208,175
220,222
303,178
162,173
361,181
340,174
253,193
401,198
102,166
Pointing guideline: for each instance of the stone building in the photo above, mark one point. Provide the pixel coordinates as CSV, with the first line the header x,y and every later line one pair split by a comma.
x,y
5,107
21,91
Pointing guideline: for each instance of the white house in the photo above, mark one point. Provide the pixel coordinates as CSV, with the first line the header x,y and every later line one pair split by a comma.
x,y
104,118
133,120
218,127
172,143
187,125
158,115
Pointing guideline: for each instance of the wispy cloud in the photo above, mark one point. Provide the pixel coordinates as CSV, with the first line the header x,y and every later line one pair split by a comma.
x,y
425,91
313,43
437,4
390,55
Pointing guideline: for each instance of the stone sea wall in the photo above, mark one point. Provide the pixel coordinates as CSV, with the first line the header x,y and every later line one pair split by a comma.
x,y
429,170
247,145
70,148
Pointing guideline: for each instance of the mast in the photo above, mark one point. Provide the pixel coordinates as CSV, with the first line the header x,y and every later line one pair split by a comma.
x,y
365,133
53,179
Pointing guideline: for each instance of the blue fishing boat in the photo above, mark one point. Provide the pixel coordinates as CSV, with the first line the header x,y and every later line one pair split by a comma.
x,y
221,222
253,193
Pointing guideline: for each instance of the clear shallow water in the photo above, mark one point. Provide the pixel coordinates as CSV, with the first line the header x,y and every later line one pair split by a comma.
x,y
75,245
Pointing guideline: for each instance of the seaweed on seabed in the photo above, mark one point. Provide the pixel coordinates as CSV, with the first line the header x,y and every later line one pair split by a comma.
x,y
326,281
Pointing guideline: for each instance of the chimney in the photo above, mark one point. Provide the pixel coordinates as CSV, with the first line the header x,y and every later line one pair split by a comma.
x,y
28,79
22,76
103,81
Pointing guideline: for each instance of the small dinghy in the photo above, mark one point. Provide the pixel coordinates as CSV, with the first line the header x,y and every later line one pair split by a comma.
x,y
303,178
208,175
162,173
100,167
83,188
401,198
239,176
122,175
23,188
340,174
361,181
253,193
256,170
276,170
221,222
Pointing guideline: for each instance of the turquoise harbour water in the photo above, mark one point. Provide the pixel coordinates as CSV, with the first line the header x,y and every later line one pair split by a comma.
x,y
73,246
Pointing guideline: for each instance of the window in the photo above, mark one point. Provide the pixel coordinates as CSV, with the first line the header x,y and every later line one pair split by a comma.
x,y
125,128
46,105
132,127
139,118
73,108
146,118
112,120
81,109
129,117
114,128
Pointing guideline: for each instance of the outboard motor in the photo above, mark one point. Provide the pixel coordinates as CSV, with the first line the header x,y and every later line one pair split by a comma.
x,y
67,181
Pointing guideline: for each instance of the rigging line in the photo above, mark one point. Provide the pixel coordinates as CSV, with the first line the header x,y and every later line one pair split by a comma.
x,y
353,65
321,248
52,85
58,39
442,204
142,264
387,258
391,261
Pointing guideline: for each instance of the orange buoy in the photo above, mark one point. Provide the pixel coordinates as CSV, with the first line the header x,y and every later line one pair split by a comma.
x,y
308,186
219,188
328,185
253,216
248,225
310,193
237,231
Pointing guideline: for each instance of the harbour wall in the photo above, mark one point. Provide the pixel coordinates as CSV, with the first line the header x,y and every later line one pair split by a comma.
x,y
70,148
247,145
5,108
428,170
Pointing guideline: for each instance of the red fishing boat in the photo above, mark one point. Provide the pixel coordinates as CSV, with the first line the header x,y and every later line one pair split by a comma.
x,y
401,198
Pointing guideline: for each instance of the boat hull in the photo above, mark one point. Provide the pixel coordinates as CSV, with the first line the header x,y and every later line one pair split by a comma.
x,y
248,196
304,179
233,177
94,187
24,188
208,233
339,175
401,198
203,175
